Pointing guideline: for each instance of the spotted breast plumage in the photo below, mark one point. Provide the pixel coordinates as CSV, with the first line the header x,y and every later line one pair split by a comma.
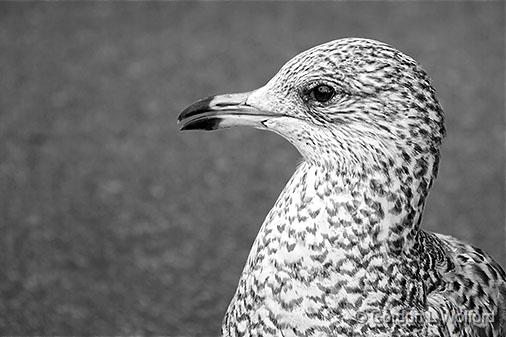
x,y
341,253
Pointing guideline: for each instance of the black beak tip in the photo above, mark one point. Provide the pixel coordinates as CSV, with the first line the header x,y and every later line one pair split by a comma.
x,y
196,108
206,124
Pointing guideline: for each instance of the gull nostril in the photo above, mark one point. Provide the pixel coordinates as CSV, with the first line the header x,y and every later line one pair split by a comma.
x,y
224,104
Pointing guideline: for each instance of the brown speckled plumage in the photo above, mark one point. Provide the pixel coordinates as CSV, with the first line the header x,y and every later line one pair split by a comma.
x,y
341,253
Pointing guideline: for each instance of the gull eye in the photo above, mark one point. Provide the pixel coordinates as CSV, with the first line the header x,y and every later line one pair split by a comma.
x,y
322,93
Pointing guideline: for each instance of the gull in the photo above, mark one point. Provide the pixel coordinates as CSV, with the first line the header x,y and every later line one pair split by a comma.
x,y
342,253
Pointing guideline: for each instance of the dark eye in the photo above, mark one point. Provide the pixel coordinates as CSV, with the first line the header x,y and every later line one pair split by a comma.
x,y
322,93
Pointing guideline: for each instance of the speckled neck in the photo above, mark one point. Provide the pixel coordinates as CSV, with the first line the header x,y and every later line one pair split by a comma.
x,y
383,208
335,245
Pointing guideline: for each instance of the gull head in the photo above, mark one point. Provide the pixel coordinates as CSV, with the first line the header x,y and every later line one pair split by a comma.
x,y
349,102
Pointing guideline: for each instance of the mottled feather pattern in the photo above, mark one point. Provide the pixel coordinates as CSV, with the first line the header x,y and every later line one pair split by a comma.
x,y
469,280
341,253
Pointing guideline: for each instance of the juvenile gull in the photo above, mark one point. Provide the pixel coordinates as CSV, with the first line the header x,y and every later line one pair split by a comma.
x,y
341,253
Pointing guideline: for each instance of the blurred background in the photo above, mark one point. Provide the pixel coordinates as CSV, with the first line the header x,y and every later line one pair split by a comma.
x,y
112,222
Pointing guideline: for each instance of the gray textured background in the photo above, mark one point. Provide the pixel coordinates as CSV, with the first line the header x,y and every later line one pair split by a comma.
x,y
113,222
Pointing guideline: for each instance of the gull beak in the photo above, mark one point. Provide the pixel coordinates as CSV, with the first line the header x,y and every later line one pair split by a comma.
x,y
223,111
